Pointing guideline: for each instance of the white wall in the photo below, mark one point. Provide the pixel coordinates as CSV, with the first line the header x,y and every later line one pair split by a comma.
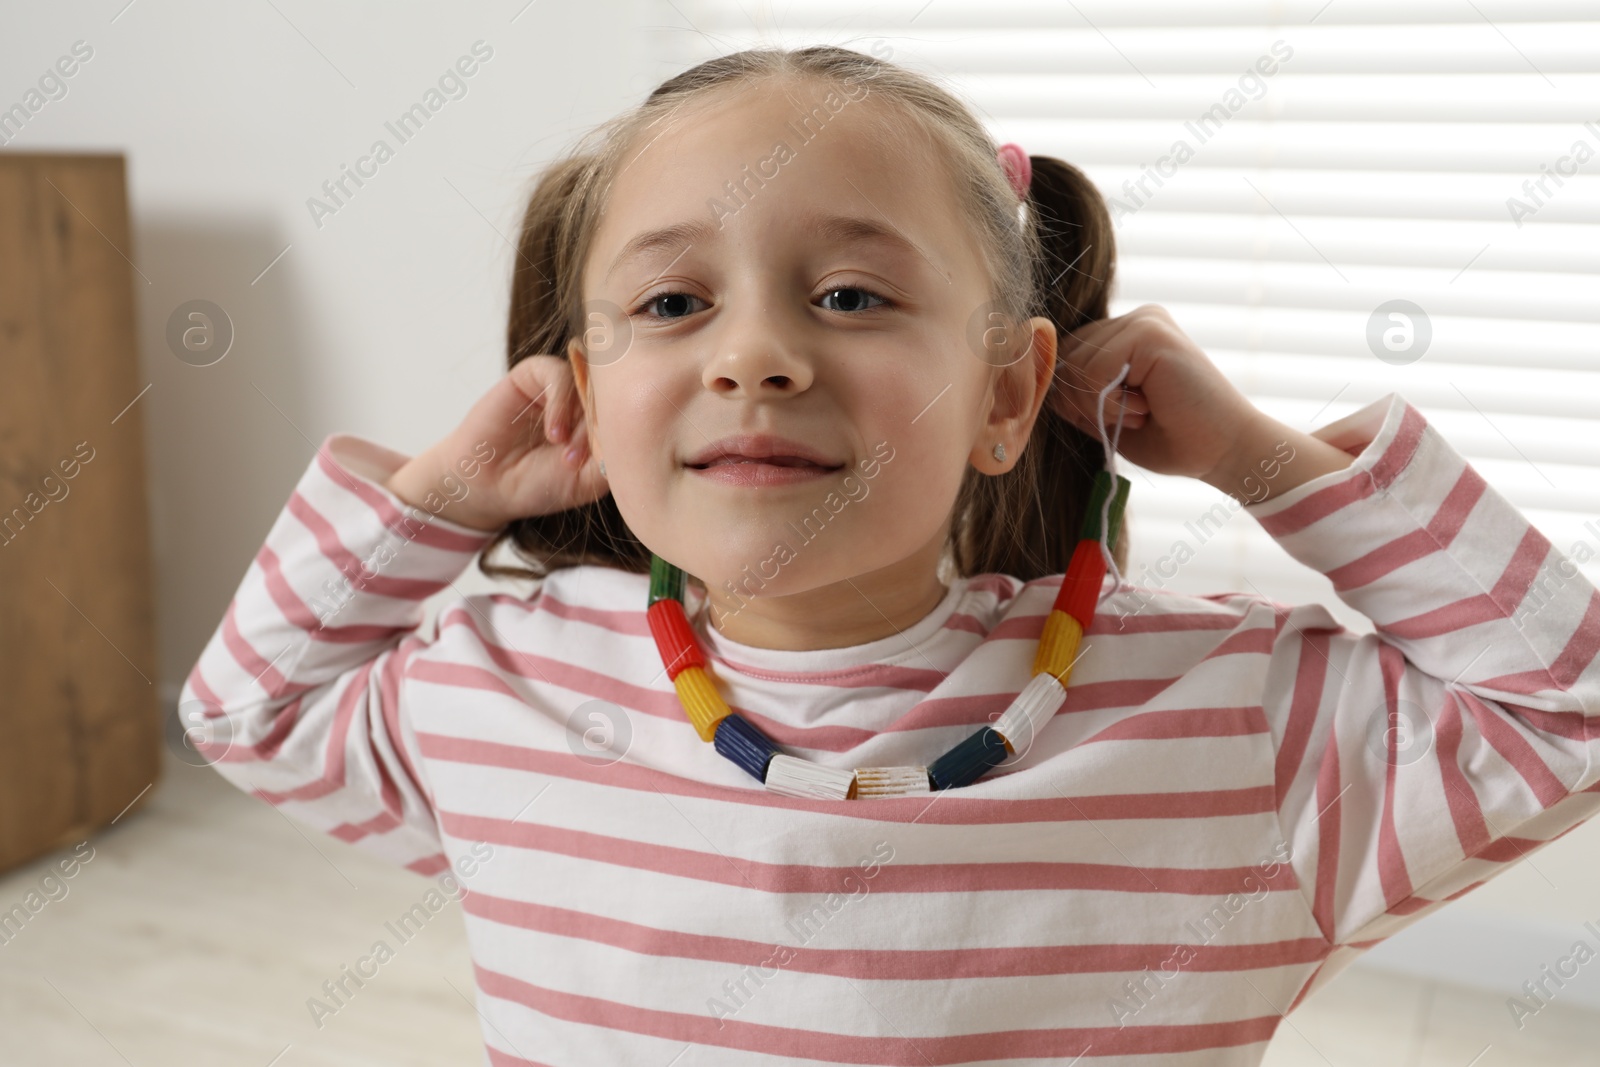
x,y
386,320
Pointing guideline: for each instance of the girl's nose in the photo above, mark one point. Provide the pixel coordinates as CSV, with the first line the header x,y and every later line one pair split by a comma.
x,y
756,367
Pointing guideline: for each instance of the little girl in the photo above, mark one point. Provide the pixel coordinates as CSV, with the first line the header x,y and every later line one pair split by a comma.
x,y
796,751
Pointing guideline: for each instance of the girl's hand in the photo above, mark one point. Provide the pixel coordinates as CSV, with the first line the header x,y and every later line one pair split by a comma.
x,y
1182,416
526,445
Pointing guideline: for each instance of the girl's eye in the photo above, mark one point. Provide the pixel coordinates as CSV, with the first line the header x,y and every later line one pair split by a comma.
x,y
676,298
855,303
676,309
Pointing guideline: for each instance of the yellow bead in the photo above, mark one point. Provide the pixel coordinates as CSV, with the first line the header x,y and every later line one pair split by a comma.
x,y
1058,646
701,702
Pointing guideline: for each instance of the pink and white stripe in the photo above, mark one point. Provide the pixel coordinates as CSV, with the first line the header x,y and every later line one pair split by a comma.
x,y
1209,783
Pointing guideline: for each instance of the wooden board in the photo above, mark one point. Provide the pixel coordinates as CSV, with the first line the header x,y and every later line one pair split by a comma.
x,y
79,708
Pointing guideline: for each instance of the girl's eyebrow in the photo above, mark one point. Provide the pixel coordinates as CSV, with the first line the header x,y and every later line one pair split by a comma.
x,y
834,229
681,233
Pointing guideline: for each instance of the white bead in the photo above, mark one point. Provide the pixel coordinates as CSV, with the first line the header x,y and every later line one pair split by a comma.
x,y
891,781
801,778
1028,713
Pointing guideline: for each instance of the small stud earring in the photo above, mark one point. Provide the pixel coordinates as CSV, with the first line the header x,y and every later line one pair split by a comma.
x,y
602,466
1000,451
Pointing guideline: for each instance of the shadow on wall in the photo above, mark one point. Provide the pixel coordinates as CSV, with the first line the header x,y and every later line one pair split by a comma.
x,y
227,415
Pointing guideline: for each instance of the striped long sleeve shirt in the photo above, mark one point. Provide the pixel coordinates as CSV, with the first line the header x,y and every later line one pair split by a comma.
x,y
1237,798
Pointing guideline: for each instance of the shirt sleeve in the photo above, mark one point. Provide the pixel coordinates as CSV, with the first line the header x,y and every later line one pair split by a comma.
x,y
1417,762
296,696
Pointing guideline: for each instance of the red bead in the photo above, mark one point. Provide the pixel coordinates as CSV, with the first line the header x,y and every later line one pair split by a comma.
x,y
1080,587
674,639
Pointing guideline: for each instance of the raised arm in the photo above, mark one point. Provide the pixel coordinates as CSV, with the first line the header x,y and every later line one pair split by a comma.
x,y
296,696
1419,761
1416,762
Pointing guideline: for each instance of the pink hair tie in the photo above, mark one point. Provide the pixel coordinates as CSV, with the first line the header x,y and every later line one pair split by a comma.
x,y
1018,168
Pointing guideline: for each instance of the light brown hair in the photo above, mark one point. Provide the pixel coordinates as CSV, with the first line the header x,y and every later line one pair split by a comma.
x,y
1057,261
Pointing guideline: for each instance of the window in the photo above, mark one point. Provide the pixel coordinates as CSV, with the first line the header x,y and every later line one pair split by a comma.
x,y
1281,175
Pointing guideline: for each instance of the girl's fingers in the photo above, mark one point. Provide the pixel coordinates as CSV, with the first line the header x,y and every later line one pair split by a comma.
x,y
1079,388
1093,337
1093,340
557,408
546,395
1095,357
1132,422
577,451
1077,371
1130,406
528,386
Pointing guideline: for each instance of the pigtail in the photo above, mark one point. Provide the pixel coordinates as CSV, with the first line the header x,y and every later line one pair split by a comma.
x,y
547,266
1025,522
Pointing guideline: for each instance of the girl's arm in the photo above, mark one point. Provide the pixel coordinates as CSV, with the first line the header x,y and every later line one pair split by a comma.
x,y
1417,762
296,698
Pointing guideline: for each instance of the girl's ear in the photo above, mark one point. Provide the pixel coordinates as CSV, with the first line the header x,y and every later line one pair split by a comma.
x,y
580,367
580,378
1020,390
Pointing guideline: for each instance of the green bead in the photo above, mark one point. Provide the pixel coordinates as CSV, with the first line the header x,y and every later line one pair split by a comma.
x,y
1097,500
1090,529
666,581
1118,503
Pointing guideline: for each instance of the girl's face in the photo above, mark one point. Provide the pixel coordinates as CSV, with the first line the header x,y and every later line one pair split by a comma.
x,y
823,291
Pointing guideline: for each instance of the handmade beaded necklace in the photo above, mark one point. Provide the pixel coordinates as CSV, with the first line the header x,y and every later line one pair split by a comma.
x,y
741,741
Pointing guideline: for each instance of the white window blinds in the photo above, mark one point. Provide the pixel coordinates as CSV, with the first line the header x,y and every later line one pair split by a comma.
x,y
1281,174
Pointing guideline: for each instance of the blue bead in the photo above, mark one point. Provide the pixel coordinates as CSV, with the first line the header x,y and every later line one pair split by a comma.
x,y
738,739
966,762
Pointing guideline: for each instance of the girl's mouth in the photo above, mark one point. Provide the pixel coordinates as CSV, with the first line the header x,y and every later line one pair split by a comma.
x,y
776,470
761,459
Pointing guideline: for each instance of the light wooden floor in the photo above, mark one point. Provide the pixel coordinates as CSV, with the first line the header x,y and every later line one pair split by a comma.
x,y
206,919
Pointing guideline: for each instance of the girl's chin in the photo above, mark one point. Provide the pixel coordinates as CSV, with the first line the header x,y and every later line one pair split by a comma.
x,y
770,568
